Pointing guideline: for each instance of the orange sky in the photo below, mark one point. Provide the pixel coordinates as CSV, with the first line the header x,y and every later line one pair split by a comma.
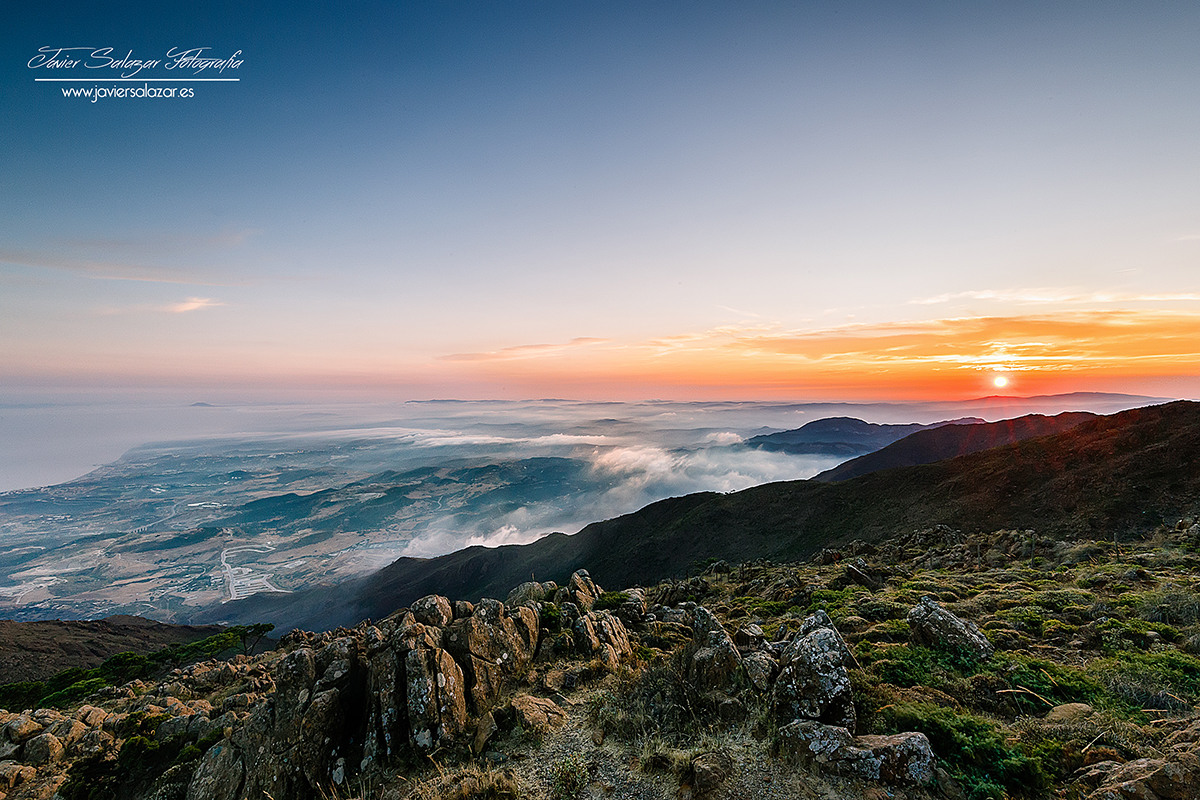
x,y
1132,351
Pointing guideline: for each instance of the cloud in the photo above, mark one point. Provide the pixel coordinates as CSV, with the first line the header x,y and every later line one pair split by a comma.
x,y
112,270
193,304
168,244
1067,296
524,351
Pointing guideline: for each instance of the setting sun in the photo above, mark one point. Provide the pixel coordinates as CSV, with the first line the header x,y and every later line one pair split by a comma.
x,y
1000,381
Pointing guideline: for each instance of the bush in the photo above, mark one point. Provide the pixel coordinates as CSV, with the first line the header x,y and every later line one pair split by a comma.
x,y
610,600
972,749
570,778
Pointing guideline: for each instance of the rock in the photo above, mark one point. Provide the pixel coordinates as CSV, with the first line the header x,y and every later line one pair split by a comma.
x,y
933,626
484,730
1152,779
858,572
538,714
633,610
433,610
436,694
710,771
812,741
715,663
528,592
581,591
600,633
43,749
91,716
219,775
903,757
13,774
761,669
814,683
1069,712
463,609
68,731
749,637
900,758
493,646
21,728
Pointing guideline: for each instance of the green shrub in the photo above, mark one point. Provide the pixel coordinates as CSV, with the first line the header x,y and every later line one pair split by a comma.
x,y
570,778
24,694
73,693
974,750
914,665
1168,679
552,617
610,600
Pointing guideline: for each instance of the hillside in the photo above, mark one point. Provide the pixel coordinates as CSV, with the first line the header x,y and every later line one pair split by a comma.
x,y
948,441
941,665
840,436
1114,476
35,650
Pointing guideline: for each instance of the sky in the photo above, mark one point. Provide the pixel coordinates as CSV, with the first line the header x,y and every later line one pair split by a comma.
x,y
602,200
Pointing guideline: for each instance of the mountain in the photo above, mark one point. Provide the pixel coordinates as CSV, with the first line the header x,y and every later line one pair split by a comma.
x,y
843,436
950,440
1114,476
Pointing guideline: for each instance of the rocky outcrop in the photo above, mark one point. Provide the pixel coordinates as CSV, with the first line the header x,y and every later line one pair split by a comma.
x,y
814,681
1145,779
715,663
934,626
493,646
600,634
900,758
580,590
531,592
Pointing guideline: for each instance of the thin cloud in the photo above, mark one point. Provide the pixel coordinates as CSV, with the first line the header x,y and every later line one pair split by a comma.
x,y
111,271
167,243
193,304
524,351
1056,295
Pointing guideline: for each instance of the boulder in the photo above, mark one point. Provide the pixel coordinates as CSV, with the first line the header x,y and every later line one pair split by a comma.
x,y
538,714
749,637
814,682
436,695
13,774
933,626
528,592
20,728
433,610
715,663
761,668
901,758
601,634
1151,779
709,771
579,590
44,748
1069,712
493,646
219,775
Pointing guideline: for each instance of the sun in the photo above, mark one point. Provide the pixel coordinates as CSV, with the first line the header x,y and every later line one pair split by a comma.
x,y
1000,381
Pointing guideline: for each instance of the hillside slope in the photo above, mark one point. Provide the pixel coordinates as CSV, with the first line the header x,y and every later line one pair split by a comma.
x,y
948,441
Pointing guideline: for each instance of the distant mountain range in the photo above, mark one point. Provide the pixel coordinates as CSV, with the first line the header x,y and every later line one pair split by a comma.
x,y
845,436
1117,475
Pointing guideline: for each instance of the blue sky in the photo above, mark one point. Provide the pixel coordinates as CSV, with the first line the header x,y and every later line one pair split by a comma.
x,y
610,199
